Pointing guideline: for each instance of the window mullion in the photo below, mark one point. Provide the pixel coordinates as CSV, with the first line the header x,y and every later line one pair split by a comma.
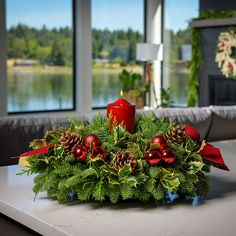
x,y
3,59
83,56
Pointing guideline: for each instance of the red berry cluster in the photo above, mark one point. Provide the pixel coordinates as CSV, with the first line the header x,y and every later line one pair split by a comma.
x,y
92,142
161,153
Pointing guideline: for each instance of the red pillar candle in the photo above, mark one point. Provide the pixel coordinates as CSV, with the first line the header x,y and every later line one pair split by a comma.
x,y
123,112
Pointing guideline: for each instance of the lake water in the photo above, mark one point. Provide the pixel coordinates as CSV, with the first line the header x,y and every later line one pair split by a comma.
x,y
46,91
42,91
37,92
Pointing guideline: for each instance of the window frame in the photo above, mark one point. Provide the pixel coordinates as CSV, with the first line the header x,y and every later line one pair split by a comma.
x,y
82,56
144,39
73,26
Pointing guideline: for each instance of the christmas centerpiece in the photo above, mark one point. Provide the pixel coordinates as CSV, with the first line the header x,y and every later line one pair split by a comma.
x,y
119,157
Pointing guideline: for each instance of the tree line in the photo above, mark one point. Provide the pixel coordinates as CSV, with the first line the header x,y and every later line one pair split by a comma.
x,y
55,46
51,47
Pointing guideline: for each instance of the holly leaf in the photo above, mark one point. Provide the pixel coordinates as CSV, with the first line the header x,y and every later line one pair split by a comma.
x,y
109,170
142,145
170,182
58,151
192,177
125,171
132,181
195,166
88,172
72,181
140,177
37,143
113,180
154,172
139,165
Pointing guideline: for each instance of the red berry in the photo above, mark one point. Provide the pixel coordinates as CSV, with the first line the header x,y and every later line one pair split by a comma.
x,y
160,141
153,162
168,155
152,157
91,140
99,152
80,152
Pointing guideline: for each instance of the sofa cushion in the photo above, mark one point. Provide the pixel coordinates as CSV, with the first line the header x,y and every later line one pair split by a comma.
x,y
199,118
223,123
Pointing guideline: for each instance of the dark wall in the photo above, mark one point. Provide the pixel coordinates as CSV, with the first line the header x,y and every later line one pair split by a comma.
x,y
223,5
209,37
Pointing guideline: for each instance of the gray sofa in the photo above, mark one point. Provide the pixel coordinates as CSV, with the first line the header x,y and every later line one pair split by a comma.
x,y
214,123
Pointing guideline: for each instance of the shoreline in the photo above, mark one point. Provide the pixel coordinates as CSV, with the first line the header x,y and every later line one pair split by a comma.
x,y
69,70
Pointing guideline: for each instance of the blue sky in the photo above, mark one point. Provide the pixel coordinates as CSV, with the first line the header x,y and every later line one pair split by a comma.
x,y
52,13
180,12
122,13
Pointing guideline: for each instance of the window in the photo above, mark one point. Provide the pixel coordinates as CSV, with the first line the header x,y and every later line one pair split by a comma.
x,y
116,28
177,47
40,55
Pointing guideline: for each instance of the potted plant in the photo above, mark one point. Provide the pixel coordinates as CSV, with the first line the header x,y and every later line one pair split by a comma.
x,y
132,87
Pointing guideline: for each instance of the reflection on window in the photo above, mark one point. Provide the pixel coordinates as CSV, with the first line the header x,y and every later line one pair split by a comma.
x,y
177,47
116,28
40,61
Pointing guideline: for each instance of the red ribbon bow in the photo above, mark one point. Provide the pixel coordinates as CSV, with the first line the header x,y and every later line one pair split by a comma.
x,y
209,152
213,155
192,133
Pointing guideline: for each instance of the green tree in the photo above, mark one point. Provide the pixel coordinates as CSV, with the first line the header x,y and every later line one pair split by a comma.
x,y
60,52
43,54
54,46
132,50
31,48
16,48
119,53
95,52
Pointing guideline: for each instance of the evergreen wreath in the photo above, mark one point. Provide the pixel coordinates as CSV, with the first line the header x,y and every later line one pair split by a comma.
x,y
224,56
93,162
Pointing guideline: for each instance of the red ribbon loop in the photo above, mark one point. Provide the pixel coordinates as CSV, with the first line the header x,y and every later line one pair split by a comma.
x,y
41,150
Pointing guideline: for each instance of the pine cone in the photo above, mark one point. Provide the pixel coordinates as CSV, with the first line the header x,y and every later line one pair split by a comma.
x,y
69,140
175,135
123,158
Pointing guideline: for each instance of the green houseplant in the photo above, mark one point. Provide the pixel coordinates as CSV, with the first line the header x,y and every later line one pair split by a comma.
x,y
133,87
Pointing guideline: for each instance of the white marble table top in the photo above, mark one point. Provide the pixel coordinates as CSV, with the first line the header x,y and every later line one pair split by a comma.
x,y
215,216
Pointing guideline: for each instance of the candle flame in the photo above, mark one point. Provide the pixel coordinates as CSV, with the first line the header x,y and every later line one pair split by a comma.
x,y
121,93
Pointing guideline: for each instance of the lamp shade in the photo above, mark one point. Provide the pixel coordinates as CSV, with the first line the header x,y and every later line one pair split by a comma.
x,y
149,52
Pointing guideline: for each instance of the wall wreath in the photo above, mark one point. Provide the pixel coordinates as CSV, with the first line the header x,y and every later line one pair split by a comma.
x,y
225,55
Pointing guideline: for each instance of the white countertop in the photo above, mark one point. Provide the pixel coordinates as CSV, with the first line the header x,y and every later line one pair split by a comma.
x,y
215,216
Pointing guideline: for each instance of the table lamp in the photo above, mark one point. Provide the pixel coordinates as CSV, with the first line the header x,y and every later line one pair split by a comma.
x,y
149,52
